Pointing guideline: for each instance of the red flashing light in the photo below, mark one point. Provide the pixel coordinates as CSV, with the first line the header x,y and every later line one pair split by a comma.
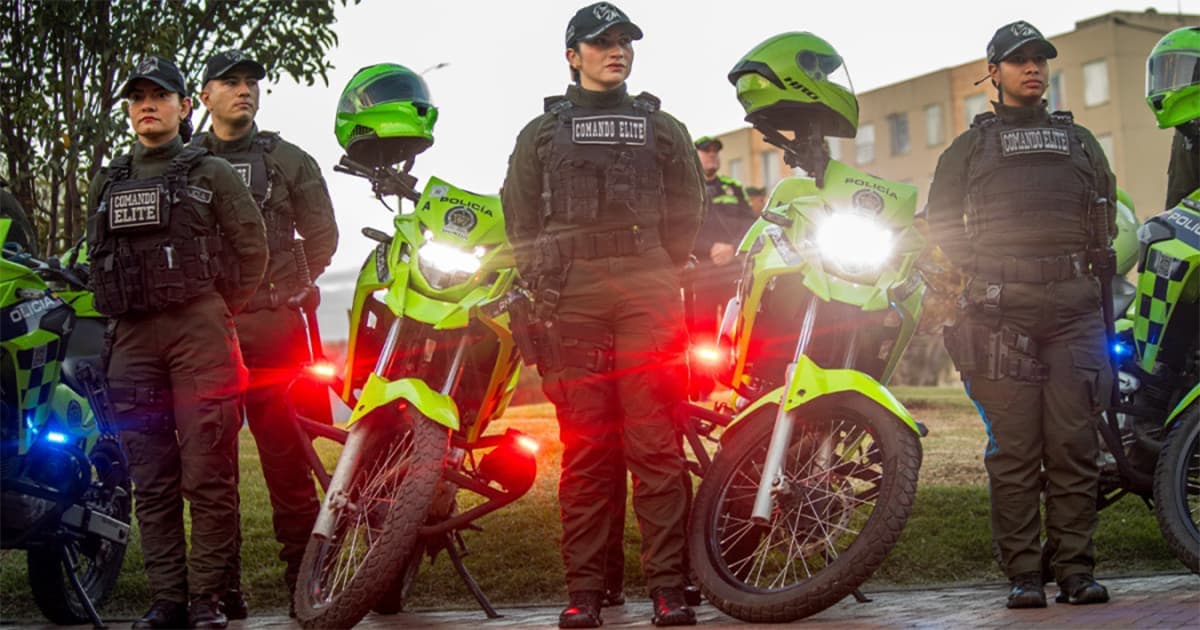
x,y
707,354
322,371
528,444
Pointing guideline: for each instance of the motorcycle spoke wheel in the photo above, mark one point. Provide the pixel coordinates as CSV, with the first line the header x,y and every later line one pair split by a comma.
x,y
360,522
1177,489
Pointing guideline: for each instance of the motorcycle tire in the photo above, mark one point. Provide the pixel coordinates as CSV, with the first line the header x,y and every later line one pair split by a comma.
x,y
396,596
1177,488
98,565
391,531
863,491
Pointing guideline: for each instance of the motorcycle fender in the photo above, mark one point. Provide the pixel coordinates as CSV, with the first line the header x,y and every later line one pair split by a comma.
x,y
1183,404
810,382
377,392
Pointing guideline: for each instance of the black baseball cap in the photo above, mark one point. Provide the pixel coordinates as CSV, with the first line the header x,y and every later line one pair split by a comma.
x,y
160,70
225,61
591,21
703,142
1010,37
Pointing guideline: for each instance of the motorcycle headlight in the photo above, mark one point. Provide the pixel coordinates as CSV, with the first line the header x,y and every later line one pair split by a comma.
x,y
854,242
445,265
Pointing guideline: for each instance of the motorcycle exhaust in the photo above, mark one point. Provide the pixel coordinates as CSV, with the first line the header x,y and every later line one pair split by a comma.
x,y
92,522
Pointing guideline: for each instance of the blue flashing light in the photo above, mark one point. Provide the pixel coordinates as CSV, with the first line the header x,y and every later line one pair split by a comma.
x,y
1119,349
56,437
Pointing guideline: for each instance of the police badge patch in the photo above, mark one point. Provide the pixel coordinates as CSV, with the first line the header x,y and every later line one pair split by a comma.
x,y
460,221
134,208
1038,140
243,170
868,200
614,129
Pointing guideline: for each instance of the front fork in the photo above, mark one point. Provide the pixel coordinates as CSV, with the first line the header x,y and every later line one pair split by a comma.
x,y
772,481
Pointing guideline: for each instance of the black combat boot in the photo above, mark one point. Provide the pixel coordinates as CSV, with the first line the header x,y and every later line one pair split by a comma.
x,y
164,613
583,611
1027,591
233,604
613,596
205,612
670,607
1080,589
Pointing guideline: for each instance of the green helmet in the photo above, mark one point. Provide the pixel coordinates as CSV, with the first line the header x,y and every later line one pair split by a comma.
x,y
794,80
1125,243
385,115
1173,77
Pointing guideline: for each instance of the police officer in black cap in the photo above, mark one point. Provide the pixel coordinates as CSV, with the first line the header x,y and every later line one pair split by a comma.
x,y
602,202
290,192
177,246
1038,197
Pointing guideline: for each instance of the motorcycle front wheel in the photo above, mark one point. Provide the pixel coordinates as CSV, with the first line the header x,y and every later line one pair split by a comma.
x,y
376,527
1177,488
850,475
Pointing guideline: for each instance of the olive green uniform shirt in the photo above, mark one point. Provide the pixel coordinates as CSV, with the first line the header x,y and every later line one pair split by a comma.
x,y
683,198
296,180
232,209
1183,173
948,191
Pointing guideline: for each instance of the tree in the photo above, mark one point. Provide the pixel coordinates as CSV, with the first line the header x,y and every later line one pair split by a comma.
x,y
61,64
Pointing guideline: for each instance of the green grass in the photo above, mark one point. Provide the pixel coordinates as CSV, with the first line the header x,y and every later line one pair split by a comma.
x,y
516,558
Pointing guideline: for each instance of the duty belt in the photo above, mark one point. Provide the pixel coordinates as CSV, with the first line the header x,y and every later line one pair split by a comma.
x,y
607,244
1032,270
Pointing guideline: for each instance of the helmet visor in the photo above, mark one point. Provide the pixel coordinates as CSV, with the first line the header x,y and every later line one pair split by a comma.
x,y
822,67
1172,71
388,88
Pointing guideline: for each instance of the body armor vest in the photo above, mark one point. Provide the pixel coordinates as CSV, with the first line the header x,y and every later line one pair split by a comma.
x,y
603,165
150,246
1029,186
281,281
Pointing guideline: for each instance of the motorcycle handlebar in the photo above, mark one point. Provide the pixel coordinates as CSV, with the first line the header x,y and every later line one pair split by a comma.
x,y
384,180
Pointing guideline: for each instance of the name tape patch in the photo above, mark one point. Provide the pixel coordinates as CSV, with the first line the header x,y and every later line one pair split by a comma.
x,y
1040,140
614,129
136,207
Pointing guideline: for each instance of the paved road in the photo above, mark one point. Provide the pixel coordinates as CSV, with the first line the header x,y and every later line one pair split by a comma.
x,y
1158,601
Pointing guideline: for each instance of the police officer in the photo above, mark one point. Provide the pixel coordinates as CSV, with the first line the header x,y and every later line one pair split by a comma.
x,y
729,216
176,245
1173,93
602,202
290,192
1039,202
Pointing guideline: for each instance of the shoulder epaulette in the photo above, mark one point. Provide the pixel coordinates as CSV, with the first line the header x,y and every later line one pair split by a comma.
x,y
189,155
1062,118
648,102
554,104
120,167
986,118
266,141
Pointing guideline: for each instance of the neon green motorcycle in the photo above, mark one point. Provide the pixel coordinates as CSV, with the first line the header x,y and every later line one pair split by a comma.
x,y
65,497
816,472
430,363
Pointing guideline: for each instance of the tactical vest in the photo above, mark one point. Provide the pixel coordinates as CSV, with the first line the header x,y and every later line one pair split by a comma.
x,y
150,245
281,281
1029,187
602,165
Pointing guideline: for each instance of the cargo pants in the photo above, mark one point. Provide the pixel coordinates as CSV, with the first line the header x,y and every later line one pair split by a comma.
x,y
1050,425
627,408
175,377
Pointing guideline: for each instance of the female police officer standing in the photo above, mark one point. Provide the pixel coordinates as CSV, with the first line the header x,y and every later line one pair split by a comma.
x,y
171,225
1039,202
602,202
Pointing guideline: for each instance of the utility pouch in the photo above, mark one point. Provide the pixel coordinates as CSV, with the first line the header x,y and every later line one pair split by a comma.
x,y
962,345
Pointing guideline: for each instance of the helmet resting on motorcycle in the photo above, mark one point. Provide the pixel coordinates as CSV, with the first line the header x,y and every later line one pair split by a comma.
x,y
1173,77
796,81
385,115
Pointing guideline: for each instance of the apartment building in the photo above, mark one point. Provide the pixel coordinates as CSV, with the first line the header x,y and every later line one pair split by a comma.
x,y
1099,76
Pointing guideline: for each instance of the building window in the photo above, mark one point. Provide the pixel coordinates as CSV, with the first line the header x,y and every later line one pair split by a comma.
x,y
770,168
835,148
736,169
973,106
1056,95
898,129
1095,83
864,144
1106,143
935,131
